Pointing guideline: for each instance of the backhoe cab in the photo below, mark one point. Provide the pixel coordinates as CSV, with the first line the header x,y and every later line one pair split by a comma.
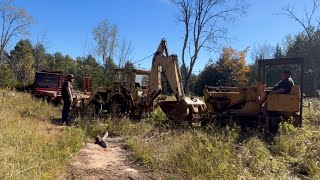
x,y
127,96
130,93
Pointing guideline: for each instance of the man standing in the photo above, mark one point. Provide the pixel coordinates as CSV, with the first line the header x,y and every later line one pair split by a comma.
x,y
285,85
67,96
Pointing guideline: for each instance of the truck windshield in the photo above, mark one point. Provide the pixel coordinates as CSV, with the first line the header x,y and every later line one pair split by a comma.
x,y
43,80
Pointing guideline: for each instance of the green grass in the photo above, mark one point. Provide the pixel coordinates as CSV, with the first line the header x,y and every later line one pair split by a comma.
x,y
195,153
30,147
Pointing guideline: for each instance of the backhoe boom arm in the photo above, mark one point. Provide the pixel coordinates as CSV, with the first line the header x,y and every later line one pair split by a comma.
x,y
169,65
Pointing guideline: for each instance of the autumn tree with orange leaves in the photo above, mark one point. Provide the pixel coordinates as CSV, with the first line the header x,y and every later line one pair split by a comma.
x,y
230,70
233,68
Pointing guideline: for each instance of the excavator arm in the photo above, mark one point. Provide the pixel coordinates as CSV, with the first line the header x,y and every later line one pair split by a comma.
x,y
162,62
184,106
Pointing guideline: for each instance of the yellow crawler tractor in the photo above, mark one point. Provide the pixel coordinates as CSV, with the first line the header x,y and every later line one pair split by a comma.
x,y
256,104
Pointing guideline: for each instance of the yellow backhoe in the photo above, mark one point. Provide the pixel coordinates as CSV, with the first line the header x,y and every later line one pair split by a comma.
x,y
134,91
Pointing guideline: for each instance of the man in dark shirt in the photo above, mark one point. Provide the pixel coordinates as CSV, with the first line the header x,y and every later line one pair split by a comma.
x,y
67,96
285,85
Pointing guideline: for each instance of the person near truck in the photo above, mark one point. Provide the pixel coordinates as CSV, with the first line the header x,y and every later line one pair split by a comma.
x,y
67,96
285,85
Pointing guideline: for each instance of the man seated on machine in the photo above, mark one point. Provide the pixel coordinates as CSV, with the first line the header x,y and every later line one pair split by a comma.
x,y
282,87
285,85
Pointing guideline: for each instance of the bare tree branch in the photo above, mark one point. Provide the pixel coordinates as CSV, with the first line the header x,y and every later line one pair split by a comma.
x,y
262,50
204,20
14,23
105,36
309,16
186,9
124,54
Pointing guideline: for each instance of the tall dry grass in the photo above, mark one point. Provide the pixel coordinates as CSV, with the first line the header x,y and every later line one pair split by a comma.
x,y
223,153
30,146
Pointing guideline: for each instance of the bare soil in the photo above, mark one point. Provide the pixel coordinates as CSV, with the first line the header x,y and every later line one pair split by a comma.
x,y
96,163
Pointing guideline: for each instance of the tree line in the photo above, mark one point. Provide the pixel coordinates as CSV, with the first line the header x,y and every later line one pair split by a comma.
x,y
204,23
18,66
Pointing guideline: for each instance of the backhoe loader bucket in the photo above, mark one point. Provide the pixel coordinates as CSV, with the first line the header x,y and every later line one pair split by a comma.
x,y
180,110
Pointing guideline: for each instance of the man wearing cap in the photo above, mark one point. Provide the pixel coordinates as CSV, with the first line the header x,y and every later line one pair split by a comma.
x,y
285,85
67,96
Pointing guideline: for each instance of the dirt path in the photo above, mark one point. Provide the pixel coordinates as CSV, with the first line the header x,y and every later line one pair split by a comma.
x,y
96,163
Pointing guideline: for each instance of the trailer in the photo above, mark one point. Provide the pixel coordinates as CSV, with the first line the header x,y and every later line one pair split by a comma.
x,y
48,85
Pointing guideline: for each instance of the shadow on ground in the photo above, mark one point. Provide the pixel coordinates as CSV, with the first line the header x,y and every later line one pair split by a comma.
x,y
57,122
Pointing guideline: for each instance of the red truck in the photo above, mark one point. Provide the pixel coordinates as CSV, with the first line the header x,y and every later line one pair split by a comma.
x,y
48,85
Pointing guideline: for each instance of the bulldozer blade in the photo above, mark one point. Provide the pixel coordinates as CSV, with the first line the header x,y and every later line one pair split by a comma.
x,y
179,110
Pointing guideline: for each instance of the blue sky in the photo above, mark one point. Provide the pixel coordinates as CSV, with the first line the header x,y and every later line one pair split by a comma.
x,y
67,25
